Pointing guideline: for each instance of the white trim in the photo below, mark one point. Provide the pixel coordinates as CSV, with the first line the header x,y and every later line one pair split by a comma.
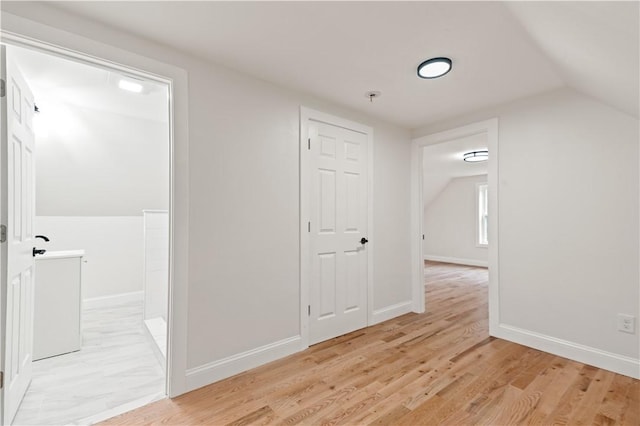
x,y
307,114
490,127
417,231
26,33
457,260
305,213
4,220
217,370
585,354
477,214
112,300
389,312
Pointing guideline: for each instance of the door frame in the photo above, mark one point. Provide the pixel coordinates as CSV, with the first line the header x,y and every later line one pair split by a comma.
x,y
490,127
94,54
306,115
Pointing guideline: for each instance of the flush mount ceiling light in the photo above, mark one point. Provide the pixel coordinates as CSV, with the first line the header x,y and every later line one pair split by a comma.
x,y
476,156
130,86
434,67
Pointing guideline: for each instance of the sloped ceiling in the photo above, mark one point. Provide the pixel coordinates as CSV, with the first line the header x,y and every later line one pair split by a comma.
x,y
443,162
593,45
54,80
340,50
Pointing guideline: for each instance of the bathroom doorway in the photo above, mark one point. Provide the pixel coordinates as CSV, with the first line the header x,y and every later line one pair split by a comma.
x,y
102,184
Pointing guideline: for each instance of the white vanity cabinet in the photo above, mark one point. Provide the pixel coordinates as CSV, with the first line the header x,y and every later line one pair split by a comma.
x,y
57,298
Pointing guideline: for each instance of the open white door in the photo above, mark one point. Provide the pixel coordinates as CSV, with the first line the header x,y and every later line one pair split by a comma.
x,y
17,212
338,231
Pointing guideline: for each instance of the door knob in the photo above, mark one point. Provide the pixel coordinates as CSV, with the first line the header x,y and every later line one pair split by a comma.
x,y
363,241
38,251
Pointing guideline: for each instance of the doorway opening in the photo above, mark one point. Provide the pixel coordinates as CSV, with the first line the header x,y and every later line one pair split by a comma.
x,y
454,202
455,217
102,202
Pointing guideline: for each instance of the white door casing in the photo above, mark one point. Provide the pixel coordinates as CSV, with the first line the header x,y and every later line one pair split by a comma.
x,y
18,149
490,127
338,219
56,42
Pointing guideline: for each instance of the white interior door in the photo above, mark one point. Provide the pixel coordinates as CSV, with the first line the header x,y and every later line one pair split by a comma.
x,y
338,231
18,211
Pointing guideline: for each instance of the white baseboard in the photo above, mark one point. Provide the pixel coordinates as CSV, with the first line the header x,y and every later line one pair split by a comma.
x,y
115,299
212,372
577,352
457,260
392,311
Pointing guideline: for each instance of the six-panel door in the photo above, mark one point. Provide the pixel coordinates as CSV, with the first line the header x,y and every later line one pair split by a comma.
x,y
338,285
19,145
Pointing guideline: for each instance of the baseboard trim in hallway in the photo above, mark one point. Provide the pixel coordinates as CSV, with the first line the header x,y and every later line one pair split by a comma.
x,y
585,354
212,372
392,311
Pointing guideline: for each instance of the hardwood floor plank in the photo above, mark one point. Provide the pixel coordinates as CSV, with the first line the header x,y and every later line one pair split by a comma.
x,y
254,417
592,400
440,367
614,402
631,412
566,407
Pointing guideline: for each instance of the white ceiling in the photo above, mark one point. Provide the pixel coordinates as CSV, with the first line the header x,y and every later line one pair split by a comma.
x,y
54,80
340,50
594,46
443,162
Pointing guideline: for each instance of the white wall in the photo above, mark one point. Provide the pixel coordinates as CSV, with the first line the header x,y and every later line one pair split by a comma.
x,y
568,225
113,250
95,172
450,224
97,163
243,274
244,239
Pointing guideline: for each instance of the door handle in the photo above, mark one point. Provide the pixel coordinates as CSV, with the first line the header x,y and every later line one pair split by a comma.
x,y
38,251
363,241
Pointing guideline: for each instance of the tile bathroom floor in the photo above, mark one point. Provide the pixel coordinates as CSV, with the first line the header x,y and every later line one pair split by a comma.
x,y
115,367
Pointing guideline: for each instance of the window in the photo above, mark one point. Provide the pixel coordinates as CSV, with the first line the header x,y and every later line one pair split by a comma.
x,y
482,232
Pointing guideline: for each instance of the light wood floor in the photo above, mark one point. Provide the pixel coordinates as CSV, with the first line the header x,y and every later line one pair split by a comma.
x,y
440,367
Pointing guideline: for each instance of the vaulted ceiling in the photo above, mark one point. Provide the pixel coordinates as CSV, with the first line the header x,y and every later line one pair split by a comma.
x,y
501,51
443,162
55,81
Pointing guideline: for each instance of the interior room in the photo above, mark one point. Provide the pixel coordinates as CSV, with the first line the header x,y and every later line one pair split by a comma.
x,y
455,216
299,137
455,201
101,211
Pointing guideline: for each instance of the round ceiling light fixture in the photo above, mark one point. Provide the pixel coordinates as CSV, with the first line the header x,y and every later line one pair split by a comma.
x,y
476,156
434,67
